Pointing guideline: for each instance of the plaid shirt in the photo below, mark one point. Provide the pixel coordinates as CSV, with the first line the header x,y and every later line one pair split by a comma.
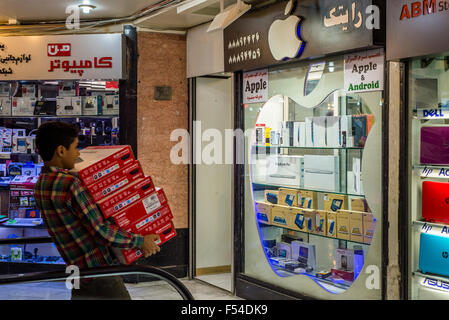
x,y
75,223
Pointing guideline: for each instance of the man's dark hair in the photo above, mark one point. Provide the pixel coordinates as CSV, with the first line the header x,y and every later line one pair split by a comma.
x,y
52,134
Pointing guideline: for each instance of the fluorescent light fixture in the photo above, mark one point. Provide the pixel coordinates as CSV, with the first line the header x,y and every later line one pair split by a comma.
x,y
86,7
193,5
229,15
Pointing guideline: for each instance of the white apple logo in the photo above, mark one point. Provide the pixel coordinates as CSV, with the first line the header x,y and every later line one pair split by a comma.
x,y
284,37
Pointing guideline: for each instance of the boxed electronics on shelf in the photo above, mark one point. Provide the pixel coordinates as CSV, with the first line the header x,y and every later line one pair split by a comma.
x,y
344,131
68,106
322,172
280,215
5,106
288,197
285,170
110,105
335,202
23,106
263,211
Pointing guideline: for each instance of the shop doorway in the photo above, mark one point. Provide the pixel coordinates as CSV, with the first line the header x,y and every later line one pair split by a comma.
x,y
211,212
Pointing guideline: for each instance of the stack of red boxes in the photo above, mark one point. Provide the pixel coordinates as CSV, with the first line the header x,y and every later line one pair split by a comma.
x,y
122,191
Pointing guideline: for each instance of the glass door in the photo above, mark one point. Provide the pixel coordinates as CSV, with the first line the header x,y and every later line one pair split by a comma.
x,y
313,190
213,181
428,188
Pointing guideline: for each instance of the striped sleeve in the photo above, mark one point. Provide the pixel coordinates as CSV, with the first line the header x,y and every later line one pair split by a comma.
x,y
106,232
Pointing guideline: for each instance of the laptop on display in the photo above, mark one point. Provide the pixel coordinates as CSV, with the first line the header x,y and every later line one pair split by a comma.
x,y
434,145
434,254
435,201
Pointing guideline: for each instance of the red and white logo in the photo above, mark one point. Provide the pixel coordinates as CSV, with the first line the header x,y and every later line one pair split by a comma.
x,y
59,49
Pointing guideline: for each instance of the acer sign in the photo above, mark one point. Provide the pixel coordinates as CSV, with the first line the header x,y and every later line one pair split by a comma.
x,y
62,57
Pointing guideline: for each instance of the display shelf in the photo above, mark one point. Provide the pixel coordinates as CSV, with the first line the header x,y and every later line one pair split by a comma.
x,y
311,148
8,155
264,185
18,226
23,223
57,262
431,276
437,226
346,285
310,233
431,171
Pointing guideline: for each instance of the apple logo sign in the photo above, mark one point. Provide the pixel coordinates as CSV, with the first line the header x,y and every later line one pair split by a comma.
x,y
284,36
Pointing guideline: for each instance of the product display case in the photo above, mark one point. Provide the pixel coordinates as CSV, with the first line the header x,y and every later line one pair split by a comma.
x,y
313,187
428,168
24,105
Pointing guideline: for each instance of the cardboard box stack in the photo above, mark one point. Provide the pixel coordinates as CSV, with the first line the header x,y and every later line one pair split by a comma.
x,y
123,193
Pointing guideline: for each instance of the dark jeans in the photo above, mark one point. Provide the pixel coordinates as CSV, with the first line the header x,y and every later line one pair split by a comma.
x,y
101,288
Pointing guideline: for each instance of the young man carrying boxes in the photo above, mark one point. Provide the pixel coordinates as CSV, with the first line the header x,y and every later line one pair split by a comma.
x,y
132,201
79,231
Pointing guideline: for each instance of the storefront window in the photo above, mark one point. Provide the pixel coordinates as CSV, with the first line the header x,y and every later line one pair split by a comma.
x,y
428,177
313,184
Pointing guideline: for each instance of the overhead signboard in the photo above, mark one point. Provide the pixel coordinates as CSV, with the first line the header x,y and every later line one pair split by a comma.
x,y
290,31
60,57
417,28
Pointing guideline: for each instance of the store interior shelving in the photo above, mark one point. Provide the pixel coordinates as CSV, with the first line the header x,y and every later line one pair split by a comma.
x,y
71,101
334,276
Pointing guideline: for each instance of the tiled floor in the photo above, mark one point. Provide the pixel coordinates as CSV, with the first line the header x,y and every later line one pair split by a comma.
x,y
221,280
155,290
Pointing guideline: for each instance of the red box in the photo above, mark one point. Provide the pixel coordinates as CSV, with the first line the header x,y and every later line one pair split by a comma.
x,y
346,275
101,161
165,232
147,224
128,198
116,181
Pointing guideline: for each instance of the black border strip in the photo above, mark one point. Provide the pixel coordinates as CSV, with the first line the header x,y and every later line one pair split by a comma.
x,y
192,180
385,180
239,182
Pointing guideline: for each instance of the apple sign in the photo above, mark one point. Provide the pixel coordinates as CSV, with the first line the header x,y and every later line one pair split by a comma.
x,y
284,38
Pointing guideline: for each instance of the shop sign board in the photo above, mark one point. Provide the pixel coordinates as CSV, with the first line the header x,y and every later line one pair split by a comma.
x,y
255,86
417,28
284,32
364,71
61,57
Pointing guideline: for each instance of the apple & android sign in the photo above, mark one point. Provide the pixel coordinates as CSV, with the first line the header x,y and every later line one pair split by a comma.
x,y
364,71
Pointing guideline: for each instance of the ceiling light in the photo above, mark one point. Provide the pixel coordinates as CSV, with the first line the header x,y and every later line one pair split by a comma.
x,y
86,7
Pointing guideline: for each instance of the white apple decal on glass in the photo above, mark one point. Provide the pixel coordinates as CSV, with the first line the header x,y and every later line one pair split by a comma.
x,y
272,225
284,36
